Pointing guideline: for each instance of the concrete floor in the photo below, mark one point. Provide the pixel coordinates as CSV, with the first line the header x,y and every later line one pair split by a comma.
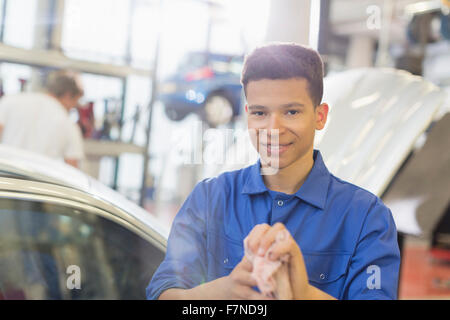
x,y
422,276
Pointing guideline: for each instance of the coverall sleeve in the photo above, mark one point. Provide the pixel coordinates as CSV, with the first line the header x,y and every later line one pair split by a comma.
x,y
374,268
184,265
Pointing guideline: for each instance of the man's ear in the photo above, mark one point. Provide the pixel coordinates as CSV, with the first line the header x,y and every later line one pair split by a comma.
x,y
246,108
321,115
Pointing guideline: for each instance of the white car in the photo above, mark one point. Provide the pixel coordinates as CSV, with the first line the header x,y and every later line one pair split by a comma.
x,y
64,235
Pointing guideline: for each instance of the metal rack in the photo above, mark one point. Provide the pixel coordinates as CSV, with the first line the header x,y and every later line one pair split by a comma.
x,y
47,54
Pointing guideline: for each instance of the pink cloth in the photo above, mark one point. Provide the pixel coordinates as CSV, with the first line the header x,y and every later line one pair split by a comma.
x,y
272,277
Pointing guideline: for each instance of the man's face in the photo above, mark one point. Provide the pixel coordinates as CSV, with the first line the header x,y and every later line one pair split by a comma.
x,y
286,107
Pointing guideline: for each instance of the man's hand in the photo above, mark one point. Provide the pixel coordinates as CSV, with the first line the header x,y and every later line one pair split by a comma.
x,y
240,282
236,286
261,238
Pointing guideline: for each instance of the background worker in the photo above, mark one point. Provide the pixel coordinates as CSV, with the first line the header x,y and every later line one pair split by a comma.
x,y
40,122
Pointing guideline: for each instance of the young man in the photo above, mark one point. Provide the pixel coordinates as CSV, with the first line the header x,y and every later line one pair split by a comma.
x,y
40,122
342,240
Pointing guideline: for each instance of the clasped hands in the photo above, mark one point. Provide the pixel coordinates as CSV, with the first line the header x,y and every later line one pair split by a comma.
x,y
239,282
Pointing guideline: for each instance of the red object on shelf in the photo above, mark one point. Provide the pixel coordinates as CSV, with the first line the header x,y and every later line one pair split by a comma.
x,y
23,83
86,119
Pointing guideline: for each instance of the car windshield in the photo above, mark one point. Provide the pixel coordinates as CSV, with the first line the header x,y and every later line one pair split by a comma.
x,y
192,61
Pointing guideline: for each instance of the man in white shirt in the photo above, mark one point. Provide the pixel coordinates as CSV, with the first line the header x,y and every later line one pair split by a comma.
x,y
40,122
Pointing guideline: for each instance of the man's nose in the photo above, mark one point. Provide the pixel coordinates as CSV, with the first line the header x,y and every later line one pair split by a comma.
x,y
275,125
272,130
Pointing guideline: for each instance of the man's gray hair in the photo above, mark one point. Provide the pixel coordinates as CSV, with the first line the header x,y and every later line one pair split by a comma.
x,y
64,81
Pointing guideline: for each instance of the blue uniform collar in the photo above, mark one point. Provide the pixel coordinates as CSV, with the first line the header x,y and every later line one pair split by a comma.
x,y
314,190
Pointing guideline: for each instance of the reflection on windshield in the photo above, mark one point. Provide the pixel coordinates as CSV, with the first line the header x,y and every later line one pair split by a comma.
x,y
40,241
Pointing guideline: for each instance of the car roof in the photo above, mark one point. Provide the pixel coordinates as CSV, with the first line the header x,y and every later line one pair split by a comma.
x,y
29,165
25,165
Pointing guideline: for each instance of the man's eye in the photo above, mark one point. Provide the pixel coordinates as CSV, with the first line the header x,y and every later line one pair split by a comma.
x,y
258,113
292,112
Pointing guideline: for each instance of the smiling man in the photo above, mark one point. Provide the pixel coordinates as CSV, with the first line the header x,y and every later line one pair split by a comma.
x,y
341,239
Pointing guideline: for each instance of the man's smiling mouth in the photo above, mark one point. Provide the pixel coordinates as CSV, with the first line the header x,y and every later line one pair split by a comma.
x,y
276,148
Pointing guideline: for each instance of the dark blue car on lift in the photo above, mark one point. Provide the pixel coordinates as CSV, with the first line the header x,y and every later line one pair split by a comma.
x,y
206,84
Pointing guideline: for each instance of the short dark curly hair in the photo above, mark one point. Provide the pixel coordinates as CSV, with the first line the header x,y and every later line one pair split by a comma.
x,y
284,61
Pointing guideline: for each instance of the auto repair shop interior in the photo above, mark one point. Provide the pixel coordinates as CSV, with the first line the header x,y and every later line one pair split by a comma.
x,y
113,111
